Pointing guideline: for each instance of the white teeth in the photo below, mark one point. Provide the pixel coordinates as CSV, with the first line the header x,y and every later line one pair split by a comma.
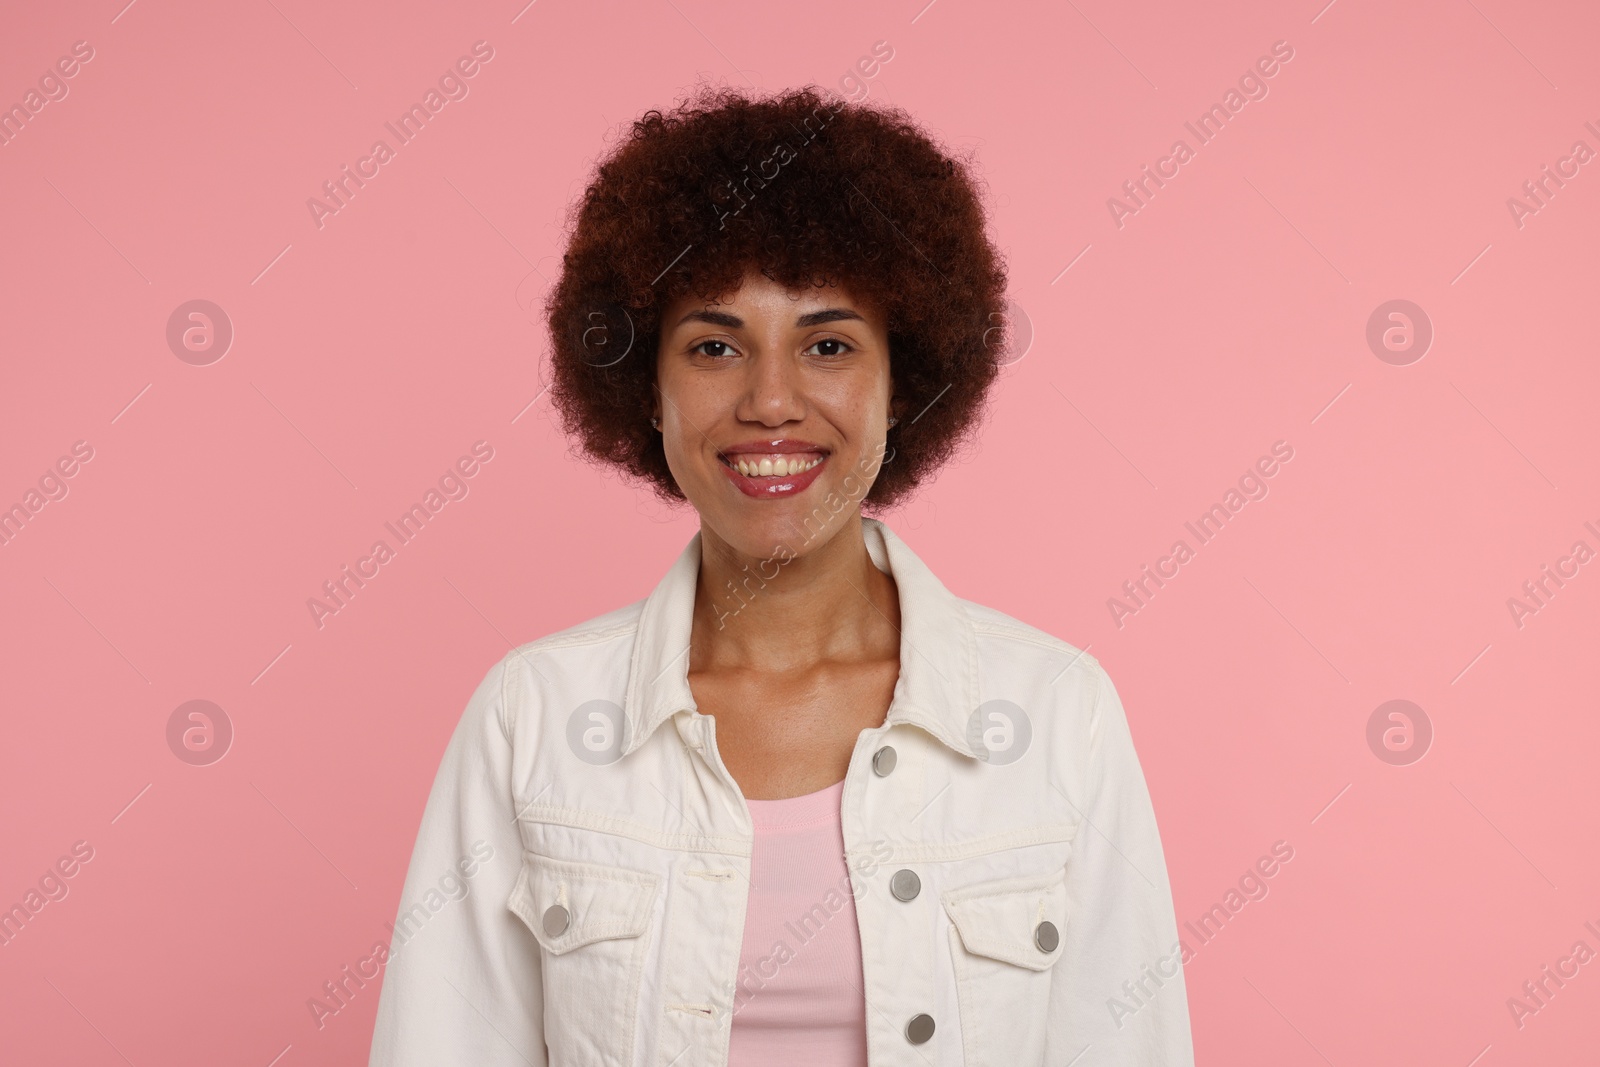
x,y
770,466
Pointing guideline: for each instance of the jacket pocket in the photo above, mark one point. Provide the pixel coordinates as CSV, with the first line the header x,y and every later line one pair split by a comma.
x,y
1005,937
591,923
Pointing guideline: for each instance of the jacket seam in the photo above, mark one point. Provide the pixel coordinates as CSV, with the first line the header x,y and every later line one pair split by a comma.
x,y
506,730
582,820
1052,833
580,636
1096,741
1013,633
1005,887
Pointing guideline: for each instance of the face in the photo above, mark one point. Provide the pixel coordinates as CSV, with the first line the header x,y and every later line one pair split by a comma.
x,y
769,401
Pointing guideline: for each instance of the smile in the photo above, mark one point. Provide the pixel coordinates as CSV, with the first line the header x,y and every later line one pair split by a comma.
x,y
774,465
775,474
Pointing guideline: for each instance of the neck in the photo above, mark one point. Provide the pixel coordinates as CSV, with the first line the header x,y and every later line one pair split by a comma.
x,y
766,614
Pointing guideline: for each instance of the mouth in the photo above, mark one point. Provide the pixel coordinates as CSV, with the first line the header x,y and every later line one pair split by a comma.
x,y
773,474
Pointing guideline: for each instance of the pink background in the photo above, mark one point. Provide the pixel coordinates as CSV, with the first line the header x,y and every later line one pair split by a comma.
x,y
1229,313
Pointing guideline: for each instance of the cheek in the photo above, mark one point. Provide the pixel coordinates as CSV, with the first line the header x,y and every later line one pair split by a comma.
x,y
673,445
859,406
687,393
690,408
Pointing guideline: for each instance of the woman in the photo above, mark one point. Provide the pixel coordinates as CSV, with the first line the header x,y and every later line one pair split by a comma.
x,y
801,804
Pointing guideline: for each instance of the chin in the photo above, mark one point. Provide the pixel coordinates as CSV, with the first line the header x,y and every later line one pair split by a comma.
x,y
783,529
780,528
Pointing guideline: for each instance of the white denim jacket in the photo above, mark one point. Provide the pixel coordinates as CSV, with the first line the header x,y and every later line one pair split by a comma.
x,y
606,925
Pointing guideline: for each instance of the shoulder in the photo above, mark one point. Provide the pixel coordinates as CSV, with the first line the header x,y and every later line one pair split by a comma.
x,y
1062,690
1008,641
592,641
620,624
582,658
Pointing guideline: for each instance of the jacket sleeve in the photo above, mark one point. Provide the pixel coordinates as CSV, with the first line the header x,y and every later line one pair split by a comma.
x,y
1117,995
462,982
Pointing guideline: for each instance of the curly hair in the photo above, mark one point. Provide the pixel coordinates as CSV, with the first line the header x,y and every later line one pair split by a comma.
x,y
809,190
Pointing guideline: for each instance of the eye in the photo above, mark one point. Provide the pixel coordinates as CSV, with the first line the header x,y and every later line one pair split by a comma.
x,y
726,349
840,347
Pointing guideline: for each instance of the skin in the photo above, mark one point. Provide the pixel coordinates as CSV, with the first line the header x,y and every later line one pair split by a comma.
x,y
794,670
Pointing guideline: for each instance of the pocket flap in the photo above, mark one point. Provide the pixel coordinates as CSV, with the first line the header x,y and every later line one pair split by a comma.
x,y
600,902
1001,919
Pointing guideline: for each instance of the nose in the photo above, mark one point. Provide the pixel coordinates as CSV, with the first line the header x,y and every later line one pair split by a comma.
x,y
774,388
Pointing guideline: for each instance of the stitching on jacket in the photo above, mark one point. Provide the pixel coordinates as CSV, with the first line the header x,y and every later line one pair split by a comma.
x,y
1001,887
610,824
983,846
996,628
1003,949
966,1001
506,730
577,636
551,873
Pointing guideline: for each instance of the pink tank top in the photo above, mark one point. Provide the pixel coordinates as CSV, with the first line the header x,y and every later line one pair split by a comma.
x,y
799,996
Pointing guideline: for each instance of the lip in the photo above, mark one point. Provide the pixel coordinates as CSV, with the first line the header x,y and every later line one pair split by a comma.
x,y
772,486
784,444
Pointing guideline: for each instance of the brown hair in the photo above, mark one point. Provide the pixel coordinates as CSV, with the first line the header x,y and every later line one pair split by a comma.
x,y
808,190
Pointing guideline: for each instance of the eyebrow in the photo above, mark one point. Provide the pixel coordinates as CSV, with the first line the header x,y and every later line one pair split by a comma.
x,y
734,322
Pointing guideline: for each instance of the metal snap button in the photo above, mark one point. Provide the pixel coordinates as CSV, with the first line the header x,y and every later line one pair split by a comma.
x,y
905,885
1046,936
883,761
919,1029
555,920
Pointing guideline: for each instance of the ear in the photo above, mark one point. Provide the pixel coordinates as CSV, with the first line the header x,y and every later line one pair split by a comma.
x,y
897,402
897,406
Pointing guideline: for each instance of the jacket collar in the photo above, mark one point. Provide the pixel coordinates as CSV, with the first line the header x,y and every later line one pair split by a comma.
x,y
938,685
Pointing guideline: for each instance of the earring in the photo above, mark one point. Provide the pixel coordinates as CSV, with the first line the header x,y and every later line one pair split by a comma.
x,y
893,420
655,422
